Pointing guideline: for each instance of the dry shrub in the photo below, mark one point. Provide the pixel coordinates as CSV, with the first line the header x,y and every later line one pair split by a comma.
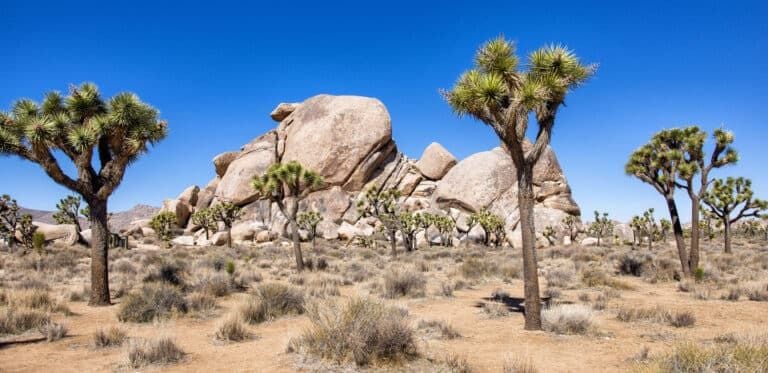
x,y
272,300
458,364
152,301
112,337
168,273
20,320
519,365
495,309
232,329
632,263
594,277
568,319
159,351
756,292
363,331
438,329
445,289
561,275
52,331
202,304
323,287
404,283
738,354
474,268
657,314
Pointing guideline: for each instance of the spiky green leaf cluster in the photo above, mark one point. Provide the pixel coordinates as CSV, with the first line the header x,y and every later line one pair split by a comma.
x,y
206,220
68,211
226,212
602,227
550,234
308,220
289,179
378,202
572,223
82,125
163,223
9,219
26,231
491,224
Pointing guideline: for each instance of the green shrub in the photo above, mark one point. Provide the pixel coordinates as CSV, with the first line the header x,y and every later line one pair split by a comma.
x,y
38,241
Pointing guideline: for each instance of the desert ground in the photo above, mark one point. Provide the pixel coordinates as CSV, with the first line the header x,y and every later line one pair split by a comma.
x,y
442,309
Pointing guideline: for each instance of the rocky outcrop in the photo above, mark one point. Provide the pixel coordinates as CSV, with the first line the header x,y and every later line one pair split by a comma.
x,y
348,140
61,233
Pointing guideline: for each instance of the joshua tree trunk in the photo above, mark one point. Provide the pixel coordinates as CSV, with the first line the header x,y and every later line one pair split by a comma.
x,y
677,228
295,236
393,242
650,242
530,272
99,259
693,256
229,236
727,235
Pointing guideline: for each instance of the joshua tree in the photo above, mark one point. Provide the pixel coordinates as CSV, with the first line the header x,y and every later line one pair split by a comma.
x,y
9,219
658,163
309,220
502,96
637,227
733,195
601,227
68,212
445,226
571,223
79,127
648,227
696,163
491,225
227,213
26,231
665,227
293,182
382,204
163,224
550,234
205,219
427,220
410,224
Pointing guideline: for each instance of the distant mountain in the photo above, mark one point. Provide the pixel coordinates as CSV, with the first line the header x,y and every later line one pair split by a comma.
x,y
118,221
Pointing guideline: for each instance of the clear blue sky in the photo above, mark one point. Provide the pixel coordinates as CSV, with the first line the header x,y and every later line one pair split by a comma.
x,y
216,69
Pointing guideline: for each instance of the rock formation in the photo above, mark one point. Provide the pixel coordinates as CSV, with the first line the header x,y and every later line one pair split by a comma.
x,y
348,140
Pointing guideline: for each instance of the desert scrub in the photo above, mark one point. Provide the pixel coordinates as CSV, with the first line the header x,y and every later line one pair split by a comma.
x,y
362,331
438,329
519,365
594,277
404,283
169,273
323,287
232,329
568,319
475,268
495,310
158,351
20,320
113,337
52,331
272,300
657,314
152,301
733,354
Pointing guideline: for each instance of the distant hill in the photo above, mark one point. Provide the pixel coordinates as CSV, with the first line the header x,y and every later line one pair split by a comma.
x,y
118,221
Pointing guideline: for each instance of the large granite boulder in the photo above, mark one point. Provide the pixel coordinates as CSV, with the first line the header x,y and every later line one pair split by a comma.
x,y
256,157
222,161
283,110
476,181
180,208
62,233
338,136
435,161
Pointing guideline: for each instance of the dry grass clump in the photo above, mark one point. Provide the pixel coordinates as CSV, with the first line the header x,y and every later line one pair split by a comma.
x,y
169,273
159,351
438,329
20,320
202,304
733,354
568,319
594,277
152,301
52,331
756,292
658,315
232,329
457,364
112,337
633,263
495,310
362,331
323,287
519,365
561,275
273,300
404,283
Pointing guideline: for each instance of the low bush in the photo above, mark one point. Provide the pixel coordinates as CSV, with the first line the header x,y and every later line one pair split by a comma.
x,y
362,331
152,301
740,354
17,321
232,329
568,319
272,300
159,351
658,315
438,329
112,337
52,331
404,283
519,365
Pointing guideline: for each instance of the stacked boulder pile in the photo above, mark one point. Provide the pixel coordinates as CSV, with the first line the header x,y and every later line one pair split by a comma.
x,y
348,140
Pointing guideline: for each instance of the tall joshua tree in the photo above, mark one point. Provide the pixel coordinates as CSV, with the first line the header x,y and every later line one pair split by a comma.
x,y
81,126
731,200
501,95
291,182
657,163
696,163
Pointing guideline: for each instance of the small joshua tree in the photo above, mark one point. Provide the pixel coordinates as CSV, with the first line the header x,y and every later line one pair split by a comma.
x,y
648,227
658,164
602,227
427,220
226,213
68,212
491,224
665,226
9,219
731,200
382,204
292,182
163,224
308,221
26,231
571,223
637,228
409,223
550,234
444,225
80,127
206,220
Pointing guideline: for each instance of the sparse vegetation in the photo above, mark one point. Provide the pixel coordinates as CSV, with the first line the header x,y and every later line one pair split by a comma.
x,y
159,351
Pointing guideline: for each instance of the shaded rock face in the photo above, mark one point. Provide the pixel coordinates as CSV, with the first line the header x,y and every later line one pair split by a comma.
x,y
348,140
